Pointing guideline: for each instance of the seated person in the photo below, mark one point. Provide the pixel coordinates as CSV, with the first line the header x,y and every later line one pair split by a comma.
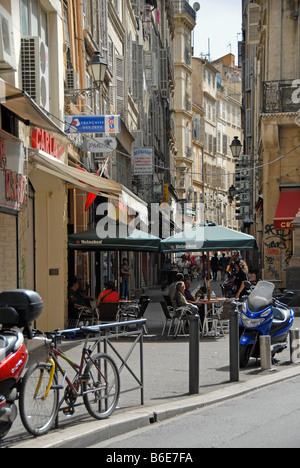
x,y
75,298
180,299
109,294
192,300
172,287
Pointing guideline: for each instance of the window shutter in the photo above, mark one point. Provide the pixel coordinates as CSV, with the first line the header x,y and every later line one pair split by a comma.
x,y
134,74
140,74
120,84
164,76
253,23
110,57
149,67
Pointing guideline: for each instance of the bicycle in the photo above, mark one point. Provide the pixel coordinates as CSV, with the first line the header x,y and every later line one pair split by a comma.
x,y
96,380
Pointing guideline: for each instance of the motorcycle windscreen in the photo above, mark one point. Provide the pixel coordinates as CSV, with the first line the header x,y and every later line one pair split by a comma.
x,y
261,297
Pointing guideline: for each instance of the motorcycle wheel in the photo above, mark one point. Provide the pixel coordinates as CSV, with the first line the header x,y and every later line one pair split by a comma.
x,y
245,354
4,429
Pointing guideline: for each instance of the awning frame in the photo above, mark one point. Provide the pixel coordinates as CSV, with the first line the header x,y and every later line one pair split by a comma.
x,y
85,181
26,110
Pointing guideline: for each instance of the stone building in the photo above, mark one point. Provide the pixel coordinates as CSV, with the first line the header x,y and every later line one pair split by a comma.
x,y
271,63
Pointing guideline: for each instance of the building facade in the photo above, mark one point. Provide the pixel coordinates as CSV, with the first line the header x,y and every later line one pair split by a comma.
x,y
271,105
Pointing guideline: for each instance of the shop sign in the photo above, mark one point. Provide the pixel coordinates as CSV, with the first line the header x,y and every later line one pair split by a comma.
x,y
283,225
42,140
101,145
110,124
143,161
12,179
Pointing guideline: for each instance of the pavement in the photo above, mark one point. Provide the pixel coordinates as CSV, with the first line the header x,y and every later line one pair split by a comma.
x,y
166,384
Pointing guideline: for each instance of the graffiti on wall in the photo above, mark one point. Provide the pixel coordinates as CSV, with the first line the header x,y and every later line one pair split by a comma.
x,y
277,243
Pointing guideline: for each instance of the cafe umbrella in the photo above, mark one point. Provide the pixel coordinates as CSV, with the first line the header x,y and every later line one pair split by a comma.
x,y
121,239
208,237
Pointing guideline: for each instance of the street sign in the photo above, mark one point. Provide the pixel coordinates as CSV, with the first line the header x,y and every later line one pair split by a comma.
x,y
101,145
93,124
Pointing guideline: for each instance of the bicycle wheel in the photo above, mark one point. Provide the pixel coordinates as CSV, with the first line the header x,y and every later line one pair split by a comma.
x,y
102,387
38,414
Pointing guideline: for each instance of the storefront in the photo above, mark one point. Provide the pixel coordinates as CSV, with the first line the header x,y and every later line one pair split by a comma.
x,y
12,197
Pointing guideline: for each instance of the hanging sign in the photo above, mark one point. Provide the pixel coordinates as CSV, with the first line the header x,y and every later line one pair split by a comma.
x,y
143,161
101,145
93,124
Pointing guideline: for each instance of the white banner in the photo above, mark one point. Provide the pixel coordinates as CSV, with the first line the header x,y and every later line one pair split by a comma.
x,y
143,161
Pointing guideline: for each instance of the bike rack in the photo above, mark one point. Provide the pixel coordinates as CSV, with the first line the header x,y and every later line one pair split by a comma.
x,y
105,335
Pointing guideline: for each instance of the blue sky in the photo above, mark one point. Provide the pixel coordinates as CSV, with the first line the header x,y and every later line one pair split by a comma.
x,y
221,21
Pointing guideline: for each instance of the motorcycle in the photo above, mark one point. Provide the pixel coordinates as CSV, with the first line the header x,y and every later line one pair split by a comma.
x,y
263,314
18,309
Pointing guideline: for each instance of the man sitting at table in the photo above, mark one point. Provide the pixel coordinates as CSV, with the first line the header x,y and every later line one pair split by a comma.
x,y
180,299
192,299
109,294
172,287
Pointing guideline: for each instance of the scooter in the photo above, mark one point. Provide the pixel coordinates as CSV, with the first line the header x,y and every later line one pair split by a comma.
x,y
262,314
18,308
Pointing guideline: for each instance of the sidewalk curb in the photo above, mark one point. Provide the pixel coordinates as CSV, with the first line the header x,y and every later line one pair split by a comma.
x,y
87,434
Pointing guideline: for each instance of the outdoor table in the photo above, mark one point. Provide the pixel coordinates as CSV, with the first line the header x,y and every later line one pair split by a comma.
x,y
209,309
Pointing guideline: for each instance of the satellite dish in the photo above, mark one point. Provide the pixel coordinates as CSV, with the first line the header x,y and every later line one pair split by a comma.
x,y
196,6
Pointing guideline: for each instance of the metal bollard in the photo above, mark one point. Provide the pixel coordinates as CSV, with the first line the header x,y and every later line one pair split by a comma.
x,y
194,355
234,344
265,352
295,345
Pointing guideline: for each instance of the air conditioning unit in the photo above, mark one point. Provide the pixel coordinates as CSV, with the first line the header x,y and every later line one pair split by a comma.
x,y
35,70
7,49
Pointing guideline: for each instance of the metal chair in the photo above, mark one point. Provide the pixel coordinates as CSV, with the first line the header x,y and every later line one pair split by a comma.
x,y
80,316
135,311
169,316
181,317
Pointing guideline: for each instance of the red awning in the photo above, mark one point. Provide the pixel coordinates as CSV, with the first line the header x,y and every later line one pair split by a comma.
x,y
287,208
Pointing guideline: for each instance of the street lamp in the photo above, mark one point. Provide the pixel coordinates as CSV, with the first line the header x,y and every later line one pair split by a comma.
x,y
97,68
231,194
236,147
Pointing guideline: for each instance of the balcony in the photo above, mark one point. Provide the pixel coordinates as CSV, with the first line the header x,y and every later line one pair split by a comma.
x,y
183,7
277,97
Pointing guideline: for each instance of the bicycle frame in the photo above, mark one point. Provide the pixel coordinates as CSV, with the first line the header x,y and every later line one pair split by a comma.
x,y
54,354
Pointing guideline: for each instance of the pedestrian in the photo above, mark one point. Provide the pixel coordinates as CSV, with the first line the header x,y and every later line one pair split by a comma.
x,y
184,266
223,262
125,274
239,281
214,263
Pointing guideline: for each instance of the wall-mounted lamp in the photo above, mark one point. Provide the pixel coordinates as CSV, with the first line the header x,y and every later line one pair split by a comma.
x,y
236,147
97,68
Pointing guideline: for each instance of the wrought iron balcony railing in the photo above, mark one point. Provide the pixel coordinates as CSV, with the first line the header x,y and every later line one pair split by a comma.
x,y
277,97
182,6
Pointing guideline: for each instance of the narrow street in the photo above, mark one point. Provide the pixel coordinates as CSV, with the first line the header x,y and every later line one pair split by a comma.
x,y
262,419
